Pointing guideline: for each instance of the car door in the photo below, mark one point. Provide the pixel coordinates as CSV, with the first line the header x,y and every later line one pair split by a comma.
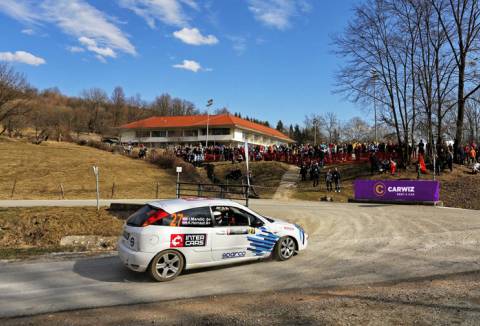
x,y
232,226
193,234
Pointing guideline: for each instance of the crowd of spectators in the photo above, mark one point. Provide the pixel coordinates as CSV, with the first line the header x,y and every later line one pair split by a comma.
x,y
294,154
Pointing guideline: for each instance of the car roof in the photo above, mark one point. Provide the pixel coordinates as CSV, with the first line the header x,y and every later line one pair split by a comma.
x,y
175,205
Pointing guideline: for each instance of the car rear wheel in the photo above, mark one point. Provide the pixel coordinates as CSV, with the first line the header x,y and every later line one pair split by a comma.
x,y
166,266
284,249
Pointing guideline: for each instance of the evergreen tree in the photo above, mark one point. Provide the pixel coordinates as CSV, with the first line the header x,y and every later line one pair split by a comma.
x,y
280,126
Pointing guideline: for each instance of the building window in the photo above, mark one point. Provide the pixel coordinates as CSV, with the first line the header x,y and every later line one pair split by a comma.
x,y
142,133
221,131
174,133
190,133
159,133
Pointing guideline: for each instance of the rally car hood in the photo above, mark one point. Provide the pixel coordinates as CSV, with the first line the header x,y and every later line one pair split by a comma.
x,y
278,222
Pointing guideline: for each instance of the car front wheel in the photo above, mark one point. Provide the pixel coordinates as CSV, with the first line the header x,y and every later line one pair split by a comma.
x,y
284,249
166,266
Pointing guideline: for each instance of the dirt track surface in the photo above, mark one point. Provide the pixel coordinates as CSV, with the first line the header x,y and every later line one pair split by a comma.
x,y
350,245
445,300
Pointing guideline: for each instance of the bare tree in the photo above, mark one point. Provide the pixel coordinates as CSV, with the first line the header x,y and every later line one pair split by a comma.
x,y
460,22
96,99
14,92
357,130
119,105
331,124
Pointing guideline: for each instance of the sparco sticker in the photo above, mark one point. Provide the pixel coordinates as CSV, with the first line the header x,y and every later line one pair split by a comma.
x,y
187,240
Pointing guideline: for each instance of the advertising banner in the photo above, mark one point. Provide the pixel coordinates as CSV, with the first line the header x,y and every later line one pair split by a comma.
x,y
397,190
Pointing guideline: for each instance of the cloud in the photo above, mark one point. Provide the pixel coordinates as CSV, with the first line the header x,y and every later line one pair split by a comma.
x,y
75,49
22,57
28,31
91,45
239,44
193,36
277,13
74,17
19,10
169,12
190,65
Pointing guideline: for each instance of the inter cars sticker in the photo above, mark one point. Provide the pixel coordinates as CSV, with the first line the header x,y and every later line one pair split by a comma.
x,y
187,240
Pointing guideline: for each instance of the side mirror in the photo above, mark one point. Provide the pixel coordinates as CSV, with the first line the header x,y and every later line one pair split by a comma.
x,y
257,223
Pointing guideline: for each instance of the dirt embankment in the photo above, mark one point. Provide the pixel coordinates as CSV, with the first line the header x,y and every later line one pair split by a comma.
x,y
29,231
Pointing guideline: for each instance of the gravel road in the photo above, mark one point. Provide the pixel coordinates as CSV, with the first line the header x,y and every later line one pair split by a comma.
x,y
350,245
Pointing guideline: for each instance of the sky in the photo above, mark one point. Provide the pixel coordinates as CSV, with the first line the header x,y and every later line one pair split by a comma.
x,y
268,59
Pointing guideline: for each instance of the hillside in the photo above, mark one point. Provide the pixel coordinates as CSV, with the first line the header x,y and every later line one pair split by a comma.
x,y
39,170
266,175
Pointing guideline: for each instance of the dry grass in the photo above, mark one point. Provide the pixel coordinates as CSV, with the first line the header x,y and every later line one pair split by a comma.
x,y
40,169
266,175
31,231
349,172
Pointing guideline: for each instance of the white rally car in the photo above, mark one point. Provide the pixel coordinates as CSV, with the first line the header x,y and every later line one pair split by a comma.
x,y
167,236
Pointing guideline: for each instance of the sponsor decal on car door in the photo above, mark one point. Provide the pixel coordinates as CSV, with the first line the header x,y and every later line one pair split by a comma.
x,y
230,242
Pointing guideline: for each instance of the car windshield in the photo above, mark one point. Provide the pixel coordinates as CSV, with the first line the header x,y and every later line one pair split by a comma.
x,y
271,220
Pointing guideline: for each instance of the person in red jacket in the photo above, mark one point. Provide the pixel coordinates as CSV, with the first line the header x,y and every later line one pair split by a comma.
x,y
393,167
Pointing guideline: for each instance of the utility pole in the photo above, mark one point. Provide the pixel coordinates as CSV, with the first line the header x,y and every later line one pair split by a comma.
x,y
209,104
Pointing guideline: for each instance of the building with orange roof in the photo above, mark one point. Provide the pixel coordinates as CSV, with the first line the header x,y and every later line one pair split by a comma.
x,y
223,129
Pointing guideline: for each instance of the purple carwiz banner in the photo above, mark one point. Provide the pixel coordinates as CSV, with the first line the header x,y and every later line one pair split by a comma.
x,y
397,190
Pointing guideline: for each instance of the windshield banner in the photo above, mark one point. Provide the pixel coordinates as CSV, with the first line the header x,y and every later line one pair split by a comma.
x,y
397,190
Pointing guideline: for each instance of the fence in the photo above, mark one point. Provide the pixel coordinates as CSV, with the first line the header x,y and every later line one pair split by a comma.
x,y
298,159
190,189
19,188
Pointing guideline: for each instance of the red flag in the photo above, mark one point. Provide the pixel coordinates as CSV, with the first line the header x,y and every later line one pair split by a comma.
x,y
423,167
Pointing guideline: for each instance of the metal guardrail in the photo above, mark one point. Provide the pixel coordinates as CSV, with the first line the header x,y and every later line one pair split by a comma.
x,y
208,190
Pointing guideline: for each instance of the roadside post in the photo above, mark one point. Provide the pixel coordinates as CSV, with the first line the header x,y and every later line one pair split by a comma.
x,y
248,173
179,170
95,172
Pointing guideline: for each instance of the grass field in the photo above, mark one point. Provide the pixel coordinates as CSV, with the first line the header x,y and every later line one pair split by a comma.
x,y
33,231
39,170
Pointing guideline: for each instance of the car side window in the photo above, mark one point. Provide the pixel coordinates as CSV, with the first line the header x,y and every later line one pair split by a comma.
x,y
231,216
194,217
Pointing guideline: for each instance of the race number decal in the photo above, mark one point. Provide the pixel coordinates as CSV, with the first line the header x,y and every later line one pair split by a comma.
x,y
188,240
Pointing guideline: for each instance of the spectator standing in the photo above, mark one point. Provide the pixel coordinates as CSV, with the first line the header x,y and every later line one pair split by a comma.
x,y
315,174
473,155
336,179
393,167
303,172
328,180
450,159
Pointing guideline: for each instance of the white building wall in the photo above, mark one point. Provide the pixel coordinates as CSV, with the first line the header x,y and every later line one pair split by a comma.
x,y
236,136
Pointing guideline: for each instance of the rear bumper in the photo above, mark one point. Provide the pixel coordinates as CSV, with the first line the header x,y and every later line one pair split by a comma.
x,y
134,260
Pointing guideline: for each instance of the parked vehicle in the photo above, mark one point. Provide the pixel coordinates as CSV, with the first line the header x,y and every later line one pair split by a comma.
x,y
168,236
